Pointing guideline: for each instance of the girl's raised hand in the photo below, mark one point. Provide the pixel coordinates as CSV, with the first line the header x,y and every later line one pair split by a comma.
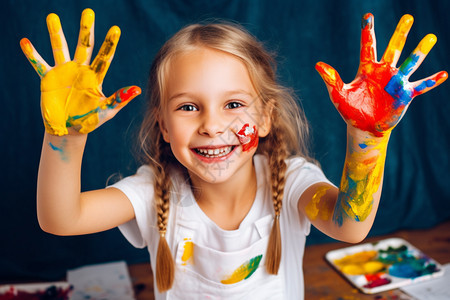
x,y
380,94
71,91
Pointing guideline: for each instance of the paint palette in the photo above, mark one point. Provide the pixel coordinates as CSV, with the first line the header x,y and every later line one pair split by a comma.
x,y
384,265
51,290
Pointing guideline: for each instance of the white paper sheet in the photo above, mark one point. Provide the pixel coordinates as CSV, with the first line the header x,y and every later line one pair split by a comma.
x,y
109,281
434,289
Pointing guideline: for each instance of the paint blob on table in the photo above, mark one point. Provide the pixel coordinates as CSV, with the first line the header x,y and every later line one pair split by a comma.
x,y
385,265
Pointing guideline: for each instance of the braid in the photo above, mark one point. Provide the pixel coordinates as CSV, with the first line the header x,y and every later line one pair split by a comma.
x,y
278,170
165,266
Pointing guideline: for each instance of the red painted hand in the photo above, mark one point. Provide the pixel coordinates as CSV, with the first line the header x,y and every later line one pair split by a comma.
x,y
380,94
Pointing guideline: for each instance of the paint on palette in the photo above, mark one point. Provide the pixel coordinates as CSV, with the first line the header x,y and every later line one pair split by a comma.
x,y
188,253
244,271
378,266
318,206
248,137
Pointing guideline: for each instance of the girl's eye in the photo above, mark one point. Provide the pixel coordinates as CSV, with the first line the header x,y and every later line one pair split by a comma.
x,y
233,105
188,107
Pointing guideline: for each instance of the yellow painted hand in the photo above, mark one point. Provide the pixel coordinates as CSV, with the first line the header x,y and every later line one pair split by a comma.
x,y
71,91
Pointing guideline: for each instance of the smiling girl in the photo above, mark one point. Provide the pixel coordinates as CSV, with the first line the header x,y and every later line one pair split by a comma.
x,y
226,194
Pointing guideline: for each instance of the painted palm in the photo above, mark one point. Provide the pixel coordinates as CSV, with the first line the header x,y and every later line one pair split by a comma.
x,y
71,91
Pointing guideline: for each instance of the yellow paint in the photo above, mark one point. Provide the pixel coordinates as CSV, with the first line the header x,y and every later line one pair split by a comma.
x,y
56,38
398,39
53,23
103,59
360,263
316,207
362,178
427,43
372,267
84,40
70,94
244,271
188,254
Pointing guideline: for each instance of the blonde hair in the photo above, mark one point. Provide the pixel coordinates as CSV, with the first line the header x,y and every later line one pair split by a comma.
x,y
288,131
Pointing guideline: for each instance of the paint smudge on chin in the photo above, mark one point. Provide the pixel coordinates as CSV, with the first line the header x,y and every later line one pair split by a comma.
x,y
244,271
248,137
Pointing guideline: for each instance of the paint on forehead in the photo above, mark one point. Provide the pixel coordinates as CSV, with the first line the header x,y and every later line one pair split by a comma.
x,y
248,137
244,271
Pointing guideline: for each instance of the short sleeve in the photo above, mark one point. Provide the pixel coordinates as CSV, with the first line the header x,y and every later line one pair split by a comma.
x,y
139,190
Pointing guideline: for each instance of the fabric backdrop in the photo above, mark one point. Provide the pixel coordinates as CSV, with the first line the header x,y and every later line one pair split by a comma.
x,y
416,190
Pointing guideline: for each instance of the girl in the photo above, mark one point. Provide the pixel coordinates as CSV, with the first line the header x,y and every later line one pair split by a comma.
x,y
227,192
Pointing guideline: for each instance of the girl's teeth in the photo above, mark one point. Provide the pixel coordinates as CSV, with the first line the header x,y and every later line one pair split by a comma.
x,y
219,152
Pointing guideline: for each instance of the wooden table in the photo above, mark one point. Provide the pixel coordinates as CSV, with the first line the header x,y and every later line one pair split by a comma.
x,y
321,280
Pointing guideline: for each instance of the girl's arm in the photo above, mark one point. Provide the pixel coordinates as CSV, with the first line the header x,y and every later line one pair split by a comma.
x,y
72,105
371,105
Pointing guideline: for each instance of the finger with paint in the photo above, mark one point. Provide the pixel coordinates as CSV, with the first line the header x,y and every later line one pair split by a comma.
x,y
71,91
380,94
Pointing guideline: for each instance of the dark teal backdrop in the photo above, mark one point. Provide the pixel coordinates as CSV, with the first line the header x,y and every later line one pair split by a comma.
x,y
416,192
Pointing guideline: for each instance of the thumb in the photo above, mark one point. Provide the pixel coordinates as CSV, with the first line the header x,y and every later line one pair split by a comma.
x,y
121,98
331,77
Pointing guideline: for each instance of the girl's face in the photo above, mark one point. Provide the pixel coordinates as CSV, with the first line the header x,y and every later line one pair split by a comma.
x,y
212,116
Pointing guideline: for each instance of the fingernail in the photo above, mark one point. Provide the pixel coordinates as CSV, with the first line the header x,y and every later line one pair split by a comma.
x,y
367,20
128,93
53,23
26,46
427,43
87,18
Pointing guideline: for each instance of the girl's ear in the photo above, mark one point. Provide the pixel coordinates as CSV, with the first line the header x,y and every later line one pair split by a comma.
x,y
164,131
266,120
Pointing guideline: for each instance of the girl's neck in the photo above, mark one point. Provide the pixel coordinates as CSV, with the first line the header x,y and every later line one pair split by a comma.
x,y
227,203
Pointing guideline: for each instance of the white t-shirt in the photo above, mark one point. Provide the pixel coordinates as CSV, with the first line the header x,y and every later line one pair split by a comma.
x,y
212,263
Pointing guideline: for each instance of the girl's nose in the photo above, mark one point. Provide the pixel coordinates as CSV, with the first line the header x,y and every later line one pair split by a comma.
x,y
212,125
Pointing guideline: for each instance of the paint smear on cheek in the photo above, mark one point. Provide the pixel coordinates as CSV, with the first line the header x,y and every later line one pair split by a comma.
x,y
248,137
318,208
188,254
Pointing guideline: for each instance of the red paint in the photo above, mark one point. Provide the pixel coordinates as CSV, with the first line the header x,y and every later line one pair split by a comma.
x,y
248,137
375,280
126,94
364,103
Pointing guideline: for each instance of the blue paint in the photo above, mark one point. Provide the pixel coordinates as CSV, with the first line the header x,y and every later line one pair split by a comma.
x,y
55,148
404,263
362,146
425,84
396,88
60,149
71,119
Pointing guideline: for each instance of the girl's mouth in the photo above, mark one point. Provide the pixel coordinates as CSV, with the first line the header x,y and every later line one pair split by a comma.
x,y
214,152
